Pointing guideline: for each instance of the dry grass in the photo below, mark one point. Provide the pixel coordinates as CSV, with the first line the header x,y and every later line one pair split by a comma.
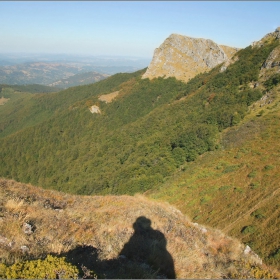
x,y
63,222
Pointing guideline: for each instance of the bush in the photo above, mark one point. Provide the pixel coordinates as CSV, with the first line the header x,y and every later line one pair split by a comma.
x,y
272,81
268,167
248,229
252,174
49,268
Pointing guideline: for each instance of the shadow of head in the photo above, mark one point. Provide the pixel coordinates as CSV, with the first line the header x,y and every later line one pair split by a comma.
x,y
142,224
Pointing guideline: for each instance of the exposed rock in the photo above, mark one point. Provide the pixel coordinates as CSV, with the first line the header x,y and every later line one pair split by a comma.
x,y
247,250
24,249
95,109
273,59
184,57
27,228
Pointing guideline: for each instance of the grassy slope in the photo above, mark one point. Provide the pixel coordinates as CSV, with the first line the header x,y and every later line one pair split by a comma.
x,y
94,230
236,189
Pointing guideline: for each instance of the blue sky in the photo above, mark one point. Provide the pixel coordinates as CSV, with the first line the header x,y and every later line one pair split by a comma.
x,y
129,28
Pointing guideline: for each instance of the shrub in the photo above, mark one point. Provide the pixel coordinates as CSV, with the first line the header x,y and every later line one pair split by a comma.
x,y
248,229
268,167
252,174
49,268
272,81
258,214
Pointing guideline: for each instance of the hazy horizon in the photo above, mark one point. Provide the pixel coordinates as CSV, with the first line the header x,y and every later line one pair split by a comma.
x,y
128,28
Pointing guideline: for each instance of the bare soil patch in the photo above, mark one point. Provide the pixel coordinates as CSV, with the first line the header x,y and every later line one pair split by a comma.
x,y
108,97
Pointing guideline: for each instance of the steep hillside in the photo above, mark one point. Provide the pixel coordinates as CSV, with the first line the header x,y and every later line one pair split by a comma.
x,y
122,150
184,57
25,110
236,188
117,236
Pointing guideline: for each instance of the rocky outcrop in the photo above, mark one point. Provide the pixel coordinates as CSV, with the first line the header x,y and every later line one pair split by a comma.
x,y
94,109
273,59
184,57
268,37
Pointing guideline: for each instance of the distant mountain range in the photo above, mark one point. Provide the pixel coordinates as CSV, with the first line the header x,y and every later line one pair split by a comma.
x,y
58,69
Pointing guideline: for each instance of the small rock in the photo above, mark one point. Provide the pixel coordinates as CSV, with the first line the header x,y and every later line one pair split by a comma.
x,y
27,228
95,109
24,249
247,250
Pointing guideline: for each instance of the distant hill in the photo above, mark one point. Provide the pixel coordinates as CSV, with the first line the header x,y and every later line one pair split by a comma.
x,y
208,146
117,236
19,69
43,73
33,88
79,79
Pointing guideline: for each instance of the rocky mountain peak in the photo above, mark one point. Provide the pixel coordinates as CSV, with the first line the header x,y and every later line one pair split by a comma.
x,y
184,57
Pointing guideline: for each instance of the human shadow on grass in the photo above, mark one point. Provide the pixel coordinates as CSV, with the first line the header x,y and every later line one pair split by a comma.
x,y
144,256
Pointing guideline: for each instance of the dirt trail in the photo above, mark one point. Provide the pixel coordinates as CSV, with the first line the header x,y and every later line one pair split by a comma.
x,y
233,224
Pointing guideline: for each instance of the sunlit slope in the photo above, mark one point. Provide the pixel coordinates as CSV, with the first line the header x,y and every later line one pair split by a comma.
x,y
236,189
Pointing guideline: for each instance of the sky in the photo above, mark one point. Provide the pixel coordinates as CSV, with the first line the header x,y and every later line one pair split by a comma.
x,y
129,28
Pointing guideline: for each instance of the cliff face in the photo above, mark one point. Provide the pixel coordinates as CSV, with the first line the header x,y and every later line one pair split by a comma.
x,y
184,57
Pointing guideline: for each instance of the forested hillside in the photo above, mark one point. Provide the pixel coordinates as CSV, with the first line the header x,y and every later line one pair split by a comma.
x,y
122,150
